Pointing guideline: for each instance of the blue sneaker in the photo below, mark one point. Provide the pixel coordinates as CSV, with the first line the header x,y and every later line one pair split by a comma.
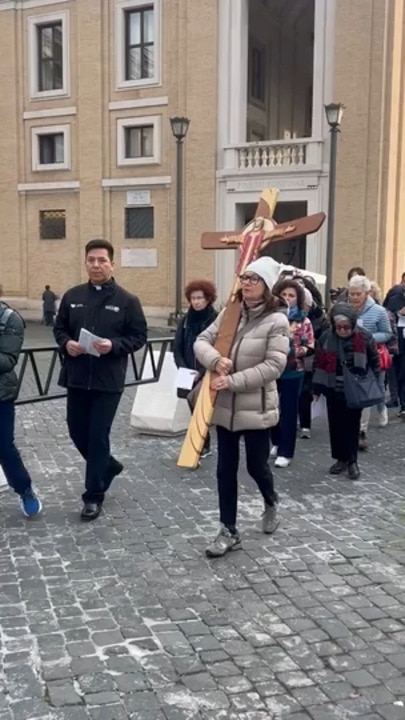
x,y
30,503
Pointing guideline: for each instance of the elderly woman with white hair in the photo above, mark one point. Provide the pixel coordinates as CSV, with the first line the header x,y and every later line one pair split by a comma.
x,y
372,317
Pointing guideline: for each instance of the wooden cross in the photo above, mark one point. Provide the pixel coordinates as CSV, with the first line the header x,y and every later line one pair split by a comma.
x,y
259,233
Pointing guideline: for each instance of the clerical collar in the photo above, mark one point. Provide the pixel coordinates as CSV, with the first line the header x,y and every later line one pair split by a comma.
x,y
98,287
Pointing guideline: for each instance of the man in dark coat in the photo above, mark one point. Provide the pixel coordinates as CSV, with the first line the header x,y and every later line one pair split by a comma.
x,y
49,299
95,376
17,476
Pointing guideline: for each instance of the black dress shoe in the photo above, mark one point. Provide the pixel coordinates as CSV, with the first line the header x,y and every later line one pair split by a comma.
x,y
353,472
90,511
115,469
337,468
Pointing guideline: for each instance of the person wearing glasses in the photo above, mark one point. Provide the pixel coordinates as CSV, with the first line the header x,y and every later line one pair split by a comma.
x,y
247,402
348,343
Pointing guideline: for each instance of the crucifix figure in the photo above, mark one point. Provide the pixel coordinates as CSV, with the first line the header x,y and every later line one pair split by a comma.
x,y
257,235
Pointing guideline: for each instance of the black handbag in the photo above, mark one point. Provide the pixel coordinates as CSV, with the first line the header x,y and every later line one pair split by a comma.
x,y
182,393
361,391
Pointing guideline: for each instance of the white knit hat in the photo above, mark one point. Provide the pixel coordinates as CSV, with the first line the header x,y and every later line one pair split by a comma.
x,y
267,268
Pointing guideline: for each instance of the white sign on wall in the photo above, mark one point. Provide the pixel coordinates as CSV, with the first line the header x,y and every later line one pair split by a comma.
x,y
138,197
139,257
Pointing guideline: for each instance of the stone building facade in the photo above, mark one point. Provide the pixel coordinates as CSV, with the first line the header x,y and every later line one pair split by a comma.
x,y
87,88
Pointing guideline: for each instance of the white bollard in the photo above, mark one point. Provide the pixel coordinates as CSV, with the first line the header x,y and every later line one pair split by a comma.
x,y
157,410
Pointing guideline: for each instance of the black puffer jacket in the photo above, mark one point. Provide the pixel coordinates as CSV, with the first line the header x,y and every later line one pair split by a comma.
x,y
11,340
109,312
190,327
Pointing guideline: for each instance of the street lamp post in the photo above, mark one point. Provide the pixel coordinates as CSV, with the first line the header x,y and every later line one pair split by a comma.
x,y
334,114
179,127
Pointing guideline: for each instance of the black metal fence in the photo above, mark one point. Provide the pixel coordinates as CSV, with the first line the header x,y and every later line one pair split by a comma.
x,y
39,368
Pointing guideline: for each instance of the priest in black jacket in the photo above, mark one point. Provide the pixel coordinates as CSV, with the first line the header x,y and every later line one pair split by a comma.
x,y
95,382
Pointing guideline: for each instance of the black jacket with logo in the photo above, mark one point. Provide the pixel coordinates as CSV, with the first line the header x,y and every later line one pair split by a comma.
x,y
110,312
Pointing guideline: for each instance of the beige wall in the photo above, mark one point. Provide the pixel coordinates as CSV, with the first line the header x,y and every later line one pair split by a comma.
x,y
188,79
369,80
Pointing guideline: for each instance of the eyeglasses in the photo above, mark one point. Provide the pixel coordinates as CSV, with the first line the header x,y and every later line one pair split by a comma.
x,y
251,279
343,328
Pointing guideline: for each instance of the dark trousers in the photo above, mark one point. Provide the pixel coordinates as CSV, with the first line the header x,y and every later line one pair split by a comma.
x,y
391,381
10,459
48,317
284,435
305,402
90,415
257,446
344,428
399,365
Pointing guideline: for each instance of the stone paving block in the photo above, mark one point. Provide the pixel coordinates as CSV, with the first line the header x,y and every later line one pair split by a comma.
x,y
101,698
63,694
199,681
70,713
108,712
97,683
309,696
392,712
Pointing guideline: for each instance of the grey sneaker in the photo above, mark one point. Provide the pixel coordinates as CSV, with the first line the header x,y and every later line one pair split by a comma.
x,y
270,519
223,543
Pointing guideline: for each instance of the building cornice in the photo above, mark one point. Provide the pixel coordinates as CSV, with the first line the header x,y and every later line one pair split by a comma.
x,y
42,187
127,182
28,4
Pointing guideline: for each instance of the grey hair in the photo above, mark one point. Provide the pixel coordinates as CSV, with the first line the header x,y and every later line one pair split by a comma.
x,y
359,282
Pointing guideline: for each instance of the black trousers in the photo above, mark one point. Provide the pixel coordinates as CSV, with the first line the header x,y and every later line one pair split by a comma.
x,y
399,365
90,415
344,428
257,445
305,402
48,317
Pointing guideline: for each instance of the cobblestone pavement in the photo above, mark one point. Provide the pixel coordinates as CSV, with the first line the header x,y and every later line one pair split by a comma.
x,y
126,618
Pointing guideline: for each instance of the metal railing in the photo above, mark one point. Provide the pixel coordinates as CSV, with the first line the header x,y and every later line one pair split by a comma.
x,y
44,380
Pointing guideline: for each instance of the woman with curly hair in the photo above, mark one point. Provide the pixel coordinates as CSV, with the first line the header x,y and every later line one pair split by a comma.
x,y
302,344
201,295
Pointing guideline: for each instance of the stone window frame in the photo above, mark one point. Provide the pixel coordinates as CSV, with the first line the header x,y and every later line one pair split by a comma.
x,y
127,221
44,232
36,132
33,55
123,123
123,6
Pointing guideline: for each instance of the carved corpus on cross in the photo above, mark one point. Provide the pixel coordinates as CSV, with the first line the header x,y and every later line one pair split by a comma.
x,y
259,233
